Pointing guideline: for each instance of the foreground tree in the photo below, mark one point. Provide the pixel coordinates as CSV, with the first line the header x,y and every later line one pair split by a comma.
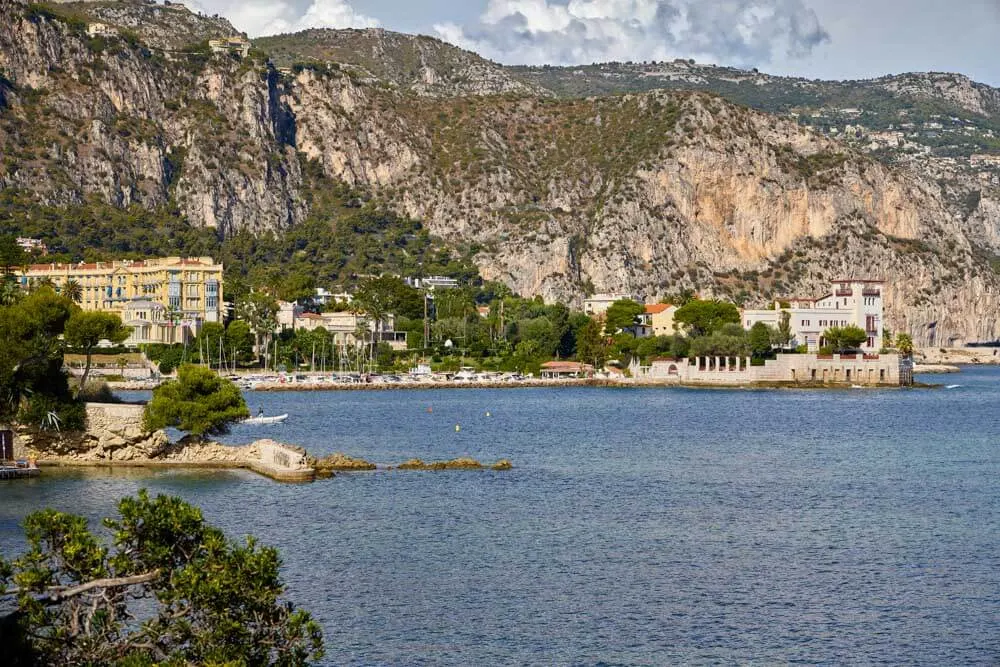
x,y
783,335
12,255
260,311
86,329
206,600
198,401
33,387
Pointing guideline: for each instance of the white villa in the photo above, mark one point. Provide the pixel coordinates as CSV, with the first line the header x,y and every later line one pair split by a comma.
x,y
344,326
850,301
598,304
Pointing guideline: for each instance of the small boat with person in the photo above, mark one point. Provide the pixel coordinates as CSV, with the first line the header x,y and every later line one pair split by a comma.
x,y
261,419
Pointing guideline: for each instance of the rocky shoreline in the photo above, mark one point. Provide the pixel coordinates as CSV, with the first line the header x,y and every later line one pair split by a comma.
x,y
115,438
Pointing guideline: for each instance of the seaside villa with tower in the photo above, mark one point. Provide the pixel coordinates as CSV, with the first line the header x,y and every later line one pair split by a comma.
x,y
848,302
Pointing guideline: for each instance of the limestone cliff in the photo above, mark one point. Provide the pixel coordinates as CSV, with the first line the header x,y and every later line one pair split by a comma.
x,y
110,117
651,194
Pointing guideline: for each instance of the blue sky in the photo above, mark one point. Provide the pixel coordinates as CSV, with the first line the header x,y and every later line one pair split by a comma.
x,y
830,39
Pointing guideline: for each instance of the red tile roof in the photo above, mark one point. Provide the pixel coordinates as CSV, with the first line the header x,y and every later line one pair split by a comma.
x,y
657,308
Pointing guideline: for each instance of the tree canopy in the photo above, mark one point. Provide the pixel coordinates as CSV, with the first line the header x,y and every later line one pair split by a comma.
x,y
904,343
198,402
760,339
33,387
705,317
845,338
206,600
622,314
86,329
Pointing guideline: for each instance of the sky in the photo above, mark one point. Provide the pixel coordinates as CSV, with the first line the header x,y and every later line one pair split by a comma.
x,y
826,39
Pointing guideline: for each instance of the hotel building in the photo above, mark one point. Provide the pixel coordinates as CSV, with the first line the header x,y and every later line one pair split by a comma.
x,y
164,300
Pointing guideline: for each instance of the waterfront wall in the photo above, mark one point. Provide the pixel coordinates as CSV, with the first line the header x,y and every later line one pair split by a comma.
x,y
835,369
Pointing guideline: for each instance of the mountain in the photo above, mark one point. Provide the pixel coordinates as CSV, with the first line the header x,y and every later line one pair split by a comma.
x,y
648,192
422,65
942,126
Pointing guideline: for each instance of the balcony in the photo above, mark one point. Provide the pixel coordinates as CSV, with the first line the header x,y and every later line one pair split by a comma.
x,y
844,291
871,291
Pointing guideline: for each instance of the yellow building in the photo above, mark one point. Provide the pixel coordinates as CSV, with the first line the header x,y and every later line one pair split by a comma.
x,y
660,316
164,300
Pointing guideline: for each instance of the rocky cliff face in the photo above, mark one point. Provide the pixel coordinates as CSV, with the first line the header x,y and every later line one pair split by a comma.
x,y
652,194
648,193
204,133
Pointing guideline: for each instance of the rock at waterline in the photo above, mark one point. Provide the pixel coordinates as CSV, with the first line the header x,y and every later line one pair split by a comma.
x,y
339,462
454,464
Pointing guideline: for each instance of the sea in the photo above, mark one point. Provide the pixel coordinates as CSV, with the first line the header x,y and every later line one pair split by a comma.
x,y
638,526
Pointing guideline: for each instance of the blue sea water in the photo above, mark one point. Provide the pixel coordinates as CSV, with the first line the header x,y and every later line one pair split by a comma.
x,y
638,527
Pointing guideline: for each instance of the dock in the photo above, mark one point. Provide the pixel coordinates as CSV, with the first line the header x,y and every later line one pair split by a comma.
x,y
18,470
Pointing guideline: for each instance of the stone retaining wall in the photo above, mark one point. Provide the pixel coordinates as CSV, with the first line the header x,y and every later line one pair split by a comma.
x,y
864,370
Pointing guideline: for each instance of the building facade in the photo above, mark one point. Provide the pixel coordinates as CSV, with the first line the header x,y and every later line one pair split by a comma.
x,y
164,300
660,317
598,304
864,370
346,327
849,302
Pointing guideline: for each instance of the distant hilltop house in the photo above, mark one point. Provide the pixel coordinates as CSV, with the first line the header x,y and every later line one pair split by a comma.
x,y
432,283
598,304
237,44
849,302
984,160
101,30
32,245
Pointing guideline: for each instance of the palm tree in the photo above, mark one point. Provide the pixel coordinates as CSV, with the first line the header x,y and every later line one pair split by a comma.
x,y
10,292
904,343
73,291
45,282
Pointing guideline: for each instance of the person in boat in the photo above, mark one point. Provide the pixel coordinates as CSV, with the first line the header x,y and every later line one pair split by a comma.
x,y
260,411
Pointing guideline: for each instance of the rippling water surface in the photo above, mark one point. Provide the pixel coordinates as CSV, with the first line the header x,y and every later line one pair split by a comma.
x,y
638,527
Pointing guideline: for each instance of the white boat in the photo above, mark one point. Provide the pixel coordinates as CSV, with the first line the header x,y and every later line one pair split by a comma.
x,y
276,419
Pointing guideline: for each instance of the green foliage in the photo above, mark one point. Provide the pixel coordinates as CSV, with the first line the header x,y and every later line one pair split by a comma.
x,y
844,338
239,341
207,600
198,401
760,338
727,340
904,343
85,330
590,347
622,314
12,255
33,386
784,332
702,318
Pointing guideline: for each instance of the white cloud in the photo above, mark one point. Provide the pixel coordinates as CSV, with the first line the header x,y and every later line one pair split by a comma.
x,y
267,17
743,32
